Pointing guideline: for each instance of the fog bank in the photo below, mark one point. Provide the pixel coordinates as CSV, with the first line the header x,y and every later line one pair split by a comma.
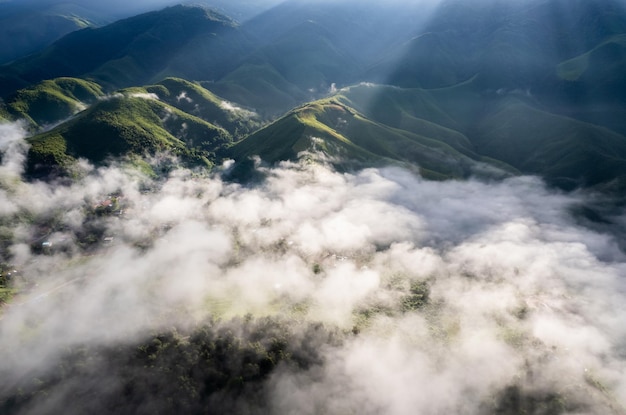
x,y
443,297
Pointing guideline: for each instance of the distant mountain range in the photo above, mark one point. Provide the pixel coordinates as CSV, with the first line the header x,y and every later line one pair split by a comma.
x,y
27,26
457,88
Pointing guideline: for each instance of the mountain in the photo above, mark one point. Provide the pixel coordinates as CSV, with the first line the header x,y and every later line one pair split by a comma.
x,y
533,87
200,102
347,137
304,48
448,132
299,65
240,10
295,51
26,28
510,127
53,100
316,210
131,122
135,51
102,12
564,53
173,115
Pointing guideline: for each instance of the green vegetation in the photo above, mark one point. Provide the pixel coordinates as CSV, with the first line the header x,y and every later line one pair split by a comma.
x,y
53,100
40,25
6,293
299,131
566,151
215,367
198,101
127,123
48,153
4,114
447,132
307,55
505,130
466,94
332,127
418,297
259,86
444,66
6,290
414,110
514,400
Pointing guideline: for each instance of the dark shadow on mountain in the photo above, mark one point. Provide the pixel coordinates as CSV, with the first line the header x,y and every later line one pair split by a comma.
x,y
538,85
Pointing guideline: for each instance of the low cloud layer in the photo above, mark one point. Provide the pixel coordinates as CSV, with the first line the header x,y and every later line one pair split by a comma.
x,y
447,297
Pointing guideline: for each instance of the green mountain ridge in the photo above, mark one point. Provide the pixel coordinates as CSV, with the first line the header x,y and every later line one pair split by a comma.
x,y
346,136
195,100
475,85
128,123
53,100
360,125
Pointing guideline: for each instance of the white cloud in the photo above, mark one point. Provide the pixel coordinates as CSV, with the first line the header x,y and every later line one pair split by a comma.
x,y
183,97
144,96
229,106
518,292
13,149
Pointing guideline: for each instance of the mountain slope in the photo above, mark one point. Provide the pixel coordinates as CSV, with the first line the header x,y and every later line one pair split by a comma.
x,y
507,44
128,52
299,65
346,136
260,86
304,47
53,100
200,102
564,150
128,123
511,127
519,85
27,28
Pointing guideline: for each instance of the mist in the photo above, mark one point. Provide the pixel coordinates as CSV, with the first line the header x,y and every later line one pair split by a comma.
x,y
392,294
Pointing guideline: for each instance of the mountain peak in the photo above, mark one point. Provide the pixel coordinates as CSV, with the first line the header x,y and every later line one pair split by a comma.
x,y
132,51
